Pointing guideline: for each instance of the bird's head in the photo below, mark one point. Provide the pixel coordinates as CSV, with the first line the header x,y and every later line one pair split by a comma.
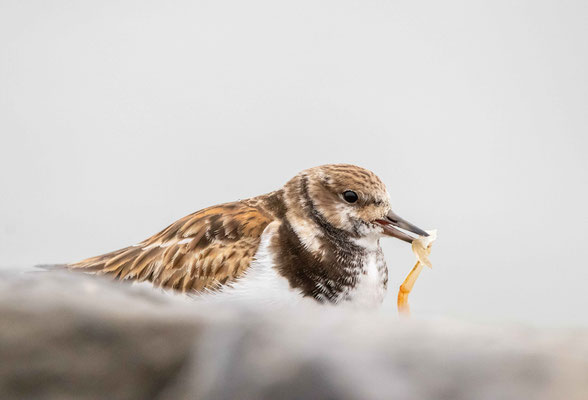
x,y
351,199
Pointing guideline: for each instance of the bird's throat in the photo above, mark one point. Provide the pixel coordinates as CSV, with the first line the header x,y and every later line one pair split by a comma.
x,y
322,266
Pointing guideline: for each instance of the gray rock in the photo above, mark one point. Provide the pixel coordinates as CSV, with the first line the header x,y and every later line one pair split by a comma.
x,y
65,335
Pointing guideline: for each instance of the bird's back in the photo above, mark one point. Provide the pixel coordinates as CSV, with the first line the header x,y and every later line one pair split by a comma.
x,y
204,250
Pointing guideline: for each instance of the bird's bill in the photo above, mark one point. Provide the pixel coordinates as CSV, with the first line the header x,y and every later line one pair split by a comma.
x,y
399,228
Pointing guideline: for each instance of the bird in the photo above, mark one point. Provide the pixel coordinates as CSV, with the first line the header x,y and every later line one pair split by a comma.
x,y
317,239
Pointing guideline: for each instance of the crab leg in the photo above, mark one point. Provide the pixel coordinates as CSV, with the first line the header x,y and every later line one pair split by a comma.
x,y
406,287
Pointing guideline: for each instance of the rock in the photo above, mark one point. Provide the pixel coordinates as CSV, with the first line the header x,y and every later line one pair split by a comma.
x,y
66,335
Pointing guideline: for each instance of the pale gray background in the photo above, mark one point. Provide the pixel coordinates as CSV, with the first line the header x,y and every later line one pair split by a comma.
x,y
118,117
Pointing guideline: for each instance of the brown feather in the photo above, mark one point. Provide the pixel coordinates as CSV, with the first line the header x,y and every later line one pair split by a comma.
x,y
200,251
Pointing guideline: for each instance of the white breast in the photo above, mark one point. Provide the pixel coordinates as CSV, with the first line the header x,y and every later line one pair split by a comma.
x,y
370,289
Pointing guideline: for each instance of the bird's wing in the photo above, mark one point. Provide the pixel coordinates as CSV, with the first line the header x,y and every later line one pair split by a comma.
x,y
203,250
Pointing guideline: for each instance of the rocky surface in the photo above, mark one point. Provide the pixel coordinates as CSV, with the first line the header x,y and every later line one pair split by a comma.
x,y
66,336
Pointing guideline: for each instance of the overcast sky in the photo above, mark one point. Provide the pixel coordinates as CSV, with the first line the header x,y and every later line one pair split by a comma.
x,y
118,117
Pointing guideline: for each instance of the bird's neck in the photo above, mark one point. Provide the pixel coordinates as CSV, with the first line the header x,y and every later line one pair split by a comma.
x,y
317,258
322,268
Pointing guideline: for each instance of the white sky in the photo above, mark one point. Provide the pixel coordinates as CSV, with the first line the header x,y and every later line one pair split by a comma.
x,y
118,117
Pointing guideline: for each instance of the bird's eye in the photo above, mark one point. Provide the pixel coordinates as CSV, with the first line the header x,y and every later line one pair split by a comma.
x,y
350,196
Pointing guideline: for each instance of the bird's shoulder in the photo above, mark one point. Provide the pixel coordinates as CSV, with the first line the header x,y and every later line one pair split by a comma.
x,y
203,250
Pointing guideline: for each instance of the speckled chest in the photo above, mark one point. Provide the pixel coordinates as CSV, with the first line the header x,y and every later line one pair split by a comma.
x,y
342,271
371,281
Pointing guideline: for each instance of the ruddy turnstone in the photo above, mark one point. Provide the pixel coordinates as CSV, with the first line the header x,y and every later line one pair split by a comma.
x,y
318,237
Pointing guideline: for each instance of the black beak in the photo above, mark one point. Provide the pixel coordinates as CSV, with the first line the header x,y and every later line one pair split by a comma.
x,y
392,221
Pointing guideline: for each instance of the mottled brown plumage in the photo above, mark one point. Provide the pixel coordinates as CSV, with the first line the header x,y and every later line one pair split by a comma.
x,y
203,250
320,244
